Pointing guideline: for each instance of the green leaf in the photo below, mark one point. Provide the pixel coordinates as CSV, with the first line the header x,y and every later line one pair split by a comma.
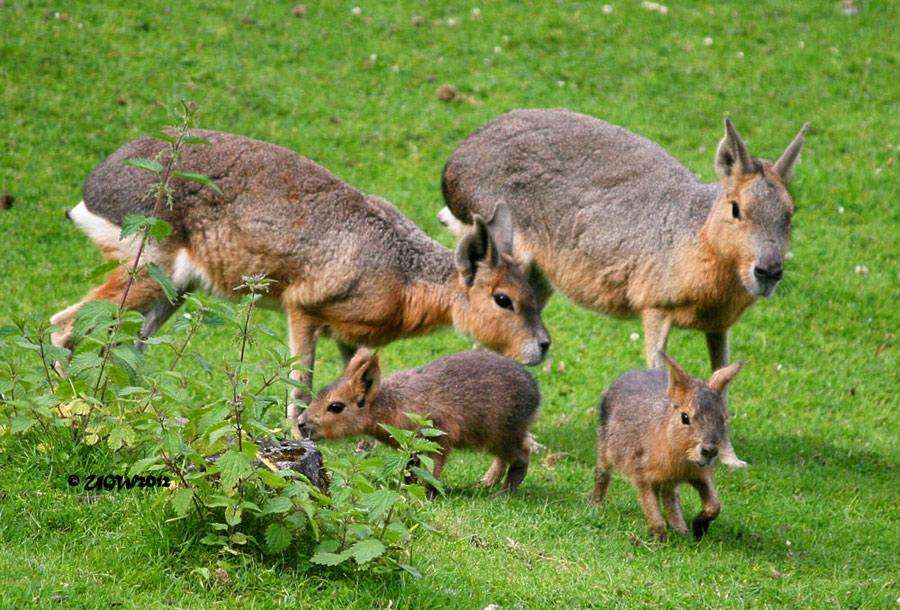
x,y
278,538
233,515
278,504
233,465
21,423
379,502
164,281
132,223
81,364
195,140
129,358
102,270
120,435
159,229
270,478
181,501
173,442
330,559
146,164
141,465
431,432
366,550
93,315
201,178
161,135
427,476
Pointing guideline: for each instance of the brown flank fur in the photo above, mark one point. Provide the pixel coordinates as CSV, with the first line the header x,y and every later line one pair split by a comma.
x,y
479,399
345,264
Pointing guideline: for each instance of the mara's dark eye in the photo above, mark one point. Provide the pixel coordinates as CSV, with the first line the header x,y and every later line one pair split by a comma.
x,y
684,419
336,407
503,301
735,211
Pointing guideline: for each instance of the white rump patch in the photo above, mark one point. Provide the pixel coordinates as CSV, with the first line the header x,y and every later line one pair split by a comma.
x,y
106,234
446,218
187,275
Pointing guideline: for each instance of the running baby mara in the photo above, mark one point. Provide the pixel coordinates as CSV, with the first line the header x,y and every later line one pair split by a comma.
x,y
664,430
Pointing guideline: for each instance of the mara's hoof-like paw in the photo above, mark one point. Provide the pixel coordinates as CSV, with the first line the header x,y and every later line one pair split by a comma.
x,y
700,527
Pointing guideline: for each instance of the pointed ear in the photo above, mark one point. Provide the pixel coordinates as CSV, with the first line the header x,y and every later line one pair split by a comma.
x,y
722,377
732,158
476,248
501,228
784,167
366,381
679,380
360,358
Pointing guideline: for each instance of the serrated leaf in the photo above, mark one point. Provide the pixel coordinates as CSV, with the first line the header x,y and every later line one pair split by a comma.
x,y
129,358
278,538
379,502
233,465
146,164
195,140
173,442
278,504
330,559
161,135
120,435
181,501
132,223
164,281
102,270
431,432
428,477
366,550
93,315
201,178
270,478
159,229
21,423
141,465
233,515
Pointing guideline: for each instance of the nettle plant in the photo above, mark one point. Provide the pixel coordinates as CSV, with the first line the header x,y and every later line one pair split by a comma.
x,y
197,420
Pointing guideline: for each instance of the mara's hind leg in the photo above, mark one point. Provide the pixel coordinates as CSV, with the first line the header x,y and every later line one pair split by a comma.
x,y
518,468
155,317
602,473
494,473
143,293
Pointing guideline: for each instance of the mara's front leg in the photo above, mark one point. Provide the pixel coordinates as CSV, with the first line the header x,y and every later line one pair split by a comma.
x,y
657,326
711,505
719,356
304,334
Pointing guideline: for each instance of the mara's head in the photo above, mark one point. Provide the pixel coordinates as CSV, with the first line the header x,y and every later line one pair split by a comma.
x,y
750,223
342,408
496,302
697,418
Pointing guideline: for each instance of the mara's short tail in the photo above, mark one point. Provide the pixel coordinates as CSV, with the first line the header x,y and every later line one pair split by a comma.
x,y
456,226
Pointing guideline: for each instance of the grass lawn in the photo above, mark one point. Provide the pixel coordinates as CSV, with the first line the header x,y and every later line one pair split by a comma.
x,y
813,523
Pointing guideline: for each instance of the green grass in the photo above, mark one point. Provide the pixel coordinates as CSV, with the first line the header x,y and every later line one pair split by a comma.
x,y
815,410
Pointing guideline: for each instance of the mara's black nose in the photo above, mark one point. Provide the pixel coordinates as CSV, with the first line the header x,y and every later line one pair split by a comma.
x,y
544,345
769,273
709,453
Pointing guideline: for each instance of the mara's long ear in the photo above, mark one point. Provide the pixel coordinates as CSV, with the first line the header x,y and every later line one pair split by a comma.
x,y
784,167
366,381
476,248
722,377
679,380
733,160
359,359
501,228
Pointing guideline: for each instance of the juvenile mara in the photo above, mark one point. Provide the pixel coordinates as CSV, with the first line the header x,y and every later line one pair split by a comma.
x,y
345,264
661,431
479,399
